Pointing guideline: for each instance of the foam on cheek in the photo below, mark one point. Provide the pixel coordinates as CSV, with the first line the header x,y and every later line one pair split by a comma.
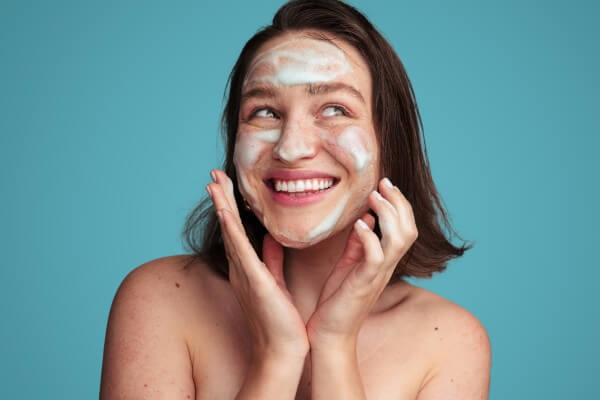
x,y
248,148
350,141
300,61
250,144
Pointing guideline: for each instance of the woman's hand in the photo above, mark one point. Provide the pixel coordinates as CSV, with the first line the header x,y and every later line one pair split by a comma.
x,y
364,269
276,326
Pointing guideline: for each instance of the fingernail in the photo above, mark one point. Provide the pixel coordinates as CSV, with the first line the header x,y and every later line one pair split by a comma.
x,y
378,196
362,224
208,190
388,183
213,175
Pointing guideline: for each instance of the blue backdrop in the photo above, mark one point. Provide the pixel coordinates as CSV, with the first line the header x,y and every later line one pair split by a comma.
x,y
109,128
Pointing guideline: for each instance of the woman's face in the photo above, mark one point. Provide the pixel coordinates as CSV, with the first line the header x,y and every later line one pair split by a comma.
x,y
306,153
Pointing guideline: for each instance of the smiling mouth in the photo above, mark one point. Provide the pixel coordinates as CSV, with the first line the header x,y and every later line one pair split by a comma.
x,y
301,187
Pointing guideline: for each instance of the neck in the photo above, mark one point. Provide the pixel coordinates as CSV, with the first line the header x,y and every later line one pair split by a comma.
x,y
306,270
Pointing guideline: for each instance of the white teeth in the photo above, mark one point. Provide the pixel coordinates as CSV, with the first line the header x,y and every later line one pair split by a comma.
x,y
307,185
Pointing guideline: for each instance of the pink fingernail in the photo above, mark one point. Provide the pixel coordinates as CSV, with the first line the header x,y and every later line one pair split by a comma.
x,y
213,175
388,183
362,224
378,196
208,190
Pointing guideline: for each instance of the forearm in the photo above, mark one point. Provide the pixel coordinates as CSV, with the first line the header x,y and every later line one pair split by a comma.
x,y
272,379
335,374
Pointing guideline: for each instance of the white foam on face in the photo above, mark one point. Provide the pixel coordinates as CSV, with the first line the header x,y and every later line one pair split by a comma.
x,y
350,141
327,225
299,61
250,144
248,147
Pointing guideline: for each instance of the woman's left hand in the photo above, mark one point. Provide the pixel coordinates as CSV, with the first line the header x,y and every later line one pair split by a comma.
x,y
364,270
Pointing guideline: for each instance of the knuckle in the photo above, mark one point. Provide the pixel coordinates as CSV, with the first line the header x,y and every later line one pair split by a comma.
x,y
396,247
376,258
413,233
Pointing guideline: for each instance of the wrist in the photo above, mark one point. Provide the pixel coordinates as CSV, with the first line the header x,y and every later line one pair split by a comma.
x,y
276,357
333,345
272,376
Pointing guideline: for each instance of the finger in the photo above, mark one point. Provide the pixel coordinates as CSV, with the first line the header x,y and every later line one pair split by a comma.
x,y
226,184
220,201
230,251
389,223
373,253
272,255
239,247
353,252
352,256
218,197
402,206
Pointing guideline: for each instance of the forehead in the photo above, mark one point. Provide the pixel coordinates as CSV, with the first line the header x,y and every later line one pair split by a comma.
x,y
303,58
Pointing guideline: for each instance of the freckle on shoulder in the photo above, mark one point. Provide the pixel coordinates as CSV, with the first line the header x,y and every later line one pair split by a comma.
x,y
444,318
162,274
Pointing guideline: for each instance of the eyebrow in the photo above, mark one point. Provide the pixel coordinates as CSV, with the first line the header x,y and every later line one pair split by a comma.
x,y
324,88
267,91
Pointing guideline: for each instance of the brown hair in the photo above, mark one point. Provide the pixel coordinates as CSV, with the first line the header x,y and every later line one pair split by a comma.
x,y
396,121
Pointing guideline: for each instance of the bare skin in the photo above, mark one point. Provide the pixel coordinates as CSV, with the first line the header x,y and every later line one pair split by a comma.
x,y
175,333
317,319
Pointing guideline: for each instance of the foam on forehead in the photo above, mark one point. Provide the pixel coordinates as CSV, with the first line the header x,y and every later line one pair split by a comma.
x,y
298,61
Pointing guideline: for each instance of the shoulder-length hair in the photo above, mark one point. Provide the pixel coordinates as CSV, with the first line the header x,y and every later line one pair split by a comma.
x,y
397,123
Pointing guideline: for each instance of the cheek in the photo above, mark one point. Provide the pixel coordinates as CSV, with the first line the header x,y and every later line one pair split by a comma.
x,y
352,140
353,147
249,148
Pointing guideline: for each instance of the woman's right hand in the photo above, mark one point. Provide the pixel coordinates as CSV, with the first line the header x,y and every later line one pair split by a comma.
x,y
277,328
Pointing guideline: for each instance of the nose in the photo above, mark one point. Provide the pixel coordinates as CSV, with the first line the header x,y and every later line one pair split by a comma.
x,y
297,141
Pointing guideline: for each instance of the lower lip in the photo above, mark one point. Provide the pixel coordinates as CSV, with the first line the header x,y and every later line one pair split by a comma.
x,y
286,199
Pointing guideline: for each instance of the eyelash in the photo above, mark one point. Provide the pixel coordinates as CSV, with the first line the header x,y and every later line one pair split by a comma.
x,y
343,109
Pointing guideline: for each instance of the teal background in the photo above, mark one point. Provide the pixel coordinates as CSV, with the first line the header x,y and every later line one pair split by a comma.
x,y
109,127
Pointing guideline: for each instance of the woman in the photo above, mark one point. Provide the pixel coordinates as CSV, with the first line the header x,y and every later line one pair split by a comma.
x,y
325,203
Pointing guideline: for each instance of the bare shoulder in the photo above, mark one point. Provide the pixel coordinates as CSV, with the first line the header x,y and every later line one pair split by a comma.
x,y
458,346
146,349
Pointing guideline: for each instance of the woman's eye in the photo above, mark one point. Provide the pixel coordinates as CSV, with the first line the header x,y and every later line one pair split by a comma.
x,y
263,113
333,111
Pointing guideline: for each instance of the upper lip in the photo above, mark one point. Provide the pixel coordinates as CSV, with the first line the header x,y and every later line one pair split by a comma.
x,y
292,175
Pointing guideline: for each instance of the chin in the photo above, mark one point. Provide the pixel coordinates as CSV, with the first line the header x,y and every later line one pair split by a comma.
x,y
296,243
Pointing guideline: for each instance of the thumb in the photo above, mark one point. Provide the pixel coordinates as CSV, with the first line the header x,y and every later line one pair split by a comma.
x,y
272,255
